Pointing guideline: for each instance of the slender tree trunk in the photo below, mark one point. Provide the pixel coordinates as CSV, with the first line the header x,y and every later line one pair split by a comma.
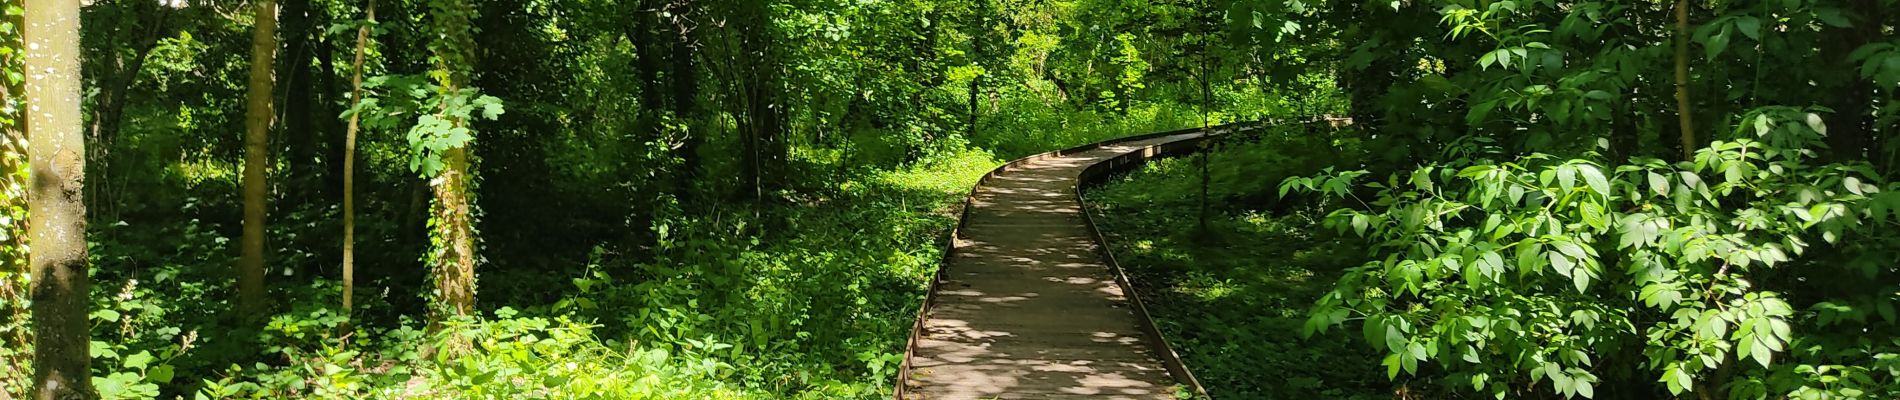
x,y
257,124
1207,93
349,166
1684,114
61,359
976,85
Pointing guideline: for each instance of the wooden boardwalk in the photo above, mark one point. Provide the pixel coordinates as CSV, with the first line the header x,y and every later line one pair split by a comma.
x,y
1027,308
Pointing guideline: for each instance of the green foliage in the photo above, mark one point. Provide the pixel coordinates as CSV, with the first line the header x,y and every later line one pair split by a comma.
x,y
516,357
1879,62
1231,299
434,117
1514,273
15,333
745,199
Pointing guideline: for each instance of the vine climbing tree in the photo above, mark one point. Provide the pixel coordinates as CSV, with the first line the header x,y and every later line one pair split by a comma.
x,y
442,140
14,174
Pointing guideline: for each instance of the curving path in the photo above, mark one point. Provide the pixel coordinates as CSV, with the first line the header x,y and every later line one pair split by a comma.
x,y
1026,308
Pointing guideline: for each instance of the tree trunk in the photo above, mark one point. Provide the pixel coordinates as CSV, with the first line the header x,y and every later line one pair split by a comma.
x,y
975,89
297,118
453,266
327,122
685,77
1684,114
758,92
1850,127
349,166
1207,96
454,269
257,124
976,86
62,338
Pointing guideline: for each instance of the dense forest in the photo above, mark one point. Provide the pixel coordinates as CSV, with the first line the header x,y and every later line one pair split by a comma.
x,y
629,199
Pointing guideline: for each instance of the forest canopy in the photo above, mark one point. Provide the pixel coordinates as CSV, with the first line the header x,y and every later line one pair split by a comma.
x,y
750,198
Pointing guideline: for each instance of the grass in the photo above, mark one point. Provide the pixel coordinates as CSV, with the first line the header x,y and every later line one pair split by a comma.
x,y
1232,299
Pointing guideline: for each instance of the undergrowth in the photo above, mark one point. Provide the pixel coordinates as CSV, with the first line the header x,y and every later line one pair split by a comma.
x,y
815,308
1231,300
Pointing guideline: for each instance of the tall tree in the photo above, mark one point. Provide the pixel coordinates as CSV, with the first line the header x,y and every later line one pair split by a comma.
x,y
454,259
349,163
62,338
257,123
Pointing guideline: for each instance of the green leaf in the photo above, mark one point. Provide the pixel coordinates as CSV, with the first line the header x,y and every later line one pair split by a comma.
x,y
1394,340
138,360
1762,354
106,315
161,374
1814,122
1593,215
1659,184
1717,43
1832,17
1749,26
1594,177
1567,178
1562,264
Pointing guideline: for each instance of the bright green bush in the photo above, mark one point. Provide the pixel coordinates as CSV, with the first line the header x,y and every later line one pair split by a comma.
x,y
1754,270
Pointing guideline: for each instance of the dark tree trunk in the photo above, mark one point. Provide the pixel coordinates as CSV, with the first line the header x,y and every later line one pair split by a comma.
x,y
327,122
1850,128
299,92
685,81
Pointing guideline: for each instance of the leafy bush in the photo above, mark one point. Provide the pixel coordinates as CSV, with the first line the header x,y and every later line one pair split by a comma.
x,y
1751,270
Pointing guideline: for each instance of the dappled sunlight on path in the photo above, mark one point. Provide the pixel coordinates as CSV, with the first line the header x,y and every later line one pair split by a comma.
x,y
1027,308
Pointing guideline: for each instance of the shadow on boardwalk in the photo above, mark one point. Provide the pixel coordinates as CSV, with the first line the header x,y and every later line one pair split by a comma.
x,y
1027,308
